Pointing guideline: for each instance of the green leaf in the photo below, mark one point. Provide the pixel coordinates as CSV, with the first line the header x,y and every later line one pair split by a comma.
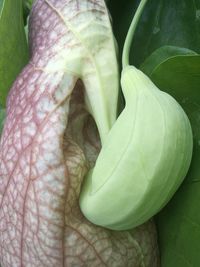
x,y
27,4
179,228
13,45
162,54
122,13
180,77
1,4
175,23
179,222
170,22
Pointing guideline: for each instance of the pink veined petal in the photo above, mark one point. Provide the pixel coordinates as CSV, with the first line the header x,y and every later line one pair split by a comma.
x,y
48,144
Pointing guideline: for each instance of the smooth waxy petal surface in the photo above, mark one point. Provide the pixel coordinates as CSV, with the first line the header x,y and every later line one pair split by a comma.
x,y
144,159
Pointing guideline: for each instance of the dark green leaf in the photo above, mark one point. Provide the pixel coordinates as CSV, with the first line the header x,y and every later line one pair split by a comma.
x,y
172,22
162,54
169,22
180,77
13,45
1,4
27,4
179,228
179,222
122,13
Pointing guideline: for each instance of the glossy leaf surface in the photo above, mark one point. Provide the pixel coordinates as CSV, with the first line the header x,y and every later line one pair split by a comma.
x,y
170,22
179,222
13,46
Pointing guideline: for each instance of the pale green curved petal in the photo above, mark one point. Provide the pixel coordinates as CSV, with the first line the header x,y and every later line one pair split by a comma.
x,y
144,159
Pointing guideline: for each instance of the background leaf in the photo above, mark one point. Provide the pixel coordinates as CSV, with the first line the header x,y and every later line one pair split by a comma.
x,y
121,13
162,23
179,222
27,4
171,23
13,46
1,4
161,55
180,77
